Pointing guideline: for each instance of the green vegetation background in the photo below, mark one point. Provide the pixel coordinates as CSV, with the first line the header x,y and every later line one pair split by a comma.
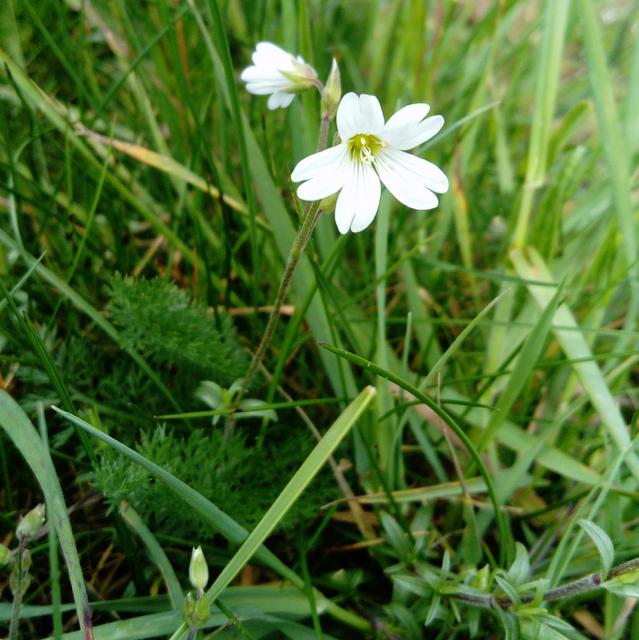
x,y
142,223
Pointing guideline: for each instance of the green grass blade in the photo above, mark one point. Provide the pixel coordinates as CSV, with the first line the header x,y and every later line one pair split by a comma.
x,y
505,538
527,360
576,348
386,435
291,492
156,553
612,136
54,556
213,515
26,439
548,69
265,602
231,91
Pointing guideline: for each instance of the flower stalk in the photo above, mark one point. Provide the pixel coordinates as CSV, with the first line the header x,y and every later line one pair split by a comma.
x,y
312,214
20,580
310,217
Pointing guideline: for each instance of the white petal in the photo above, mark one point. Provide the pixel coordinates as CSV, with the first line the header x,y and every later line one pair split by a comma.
x,y
274,101
359,114
410,134
260,74
270,55
321,186
264,88
418,169
325,173
286,99
310,166
409,115
348,116
371,190
403,121
371,115
359,198
406,187
261,80
280,99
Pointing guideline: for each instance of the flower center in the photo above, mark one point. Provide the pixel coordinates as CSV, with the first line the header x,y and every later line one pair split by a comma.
x,y
363,147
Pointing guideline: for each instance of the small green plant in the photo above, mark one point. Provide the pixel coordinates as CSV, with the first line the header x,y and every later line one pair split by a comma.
x,y
238,477
162,323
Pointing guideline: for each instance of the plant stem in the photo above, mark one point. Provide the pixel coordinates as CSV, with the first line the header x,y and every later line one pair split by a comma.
x,y
17,596
588,583
309,220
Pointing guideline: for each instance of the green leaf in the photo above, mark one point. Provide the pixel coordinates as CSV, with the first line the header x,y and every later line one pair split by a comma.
x,y
26,439
397,537
520,568
535,630
602,542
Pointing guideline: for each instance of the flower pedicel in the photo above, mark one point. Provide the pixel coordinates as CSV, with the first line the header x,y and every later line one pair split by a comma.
x,y
371,151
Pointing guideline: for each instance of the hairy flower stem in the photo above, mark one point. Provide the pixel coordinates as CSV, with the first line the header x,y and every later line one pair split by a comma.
x,y
588,583
310,217
17,596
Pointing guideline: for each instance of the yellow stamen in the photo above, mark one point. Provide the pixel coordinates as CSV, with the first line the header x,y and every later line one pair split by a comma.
x,y
363,147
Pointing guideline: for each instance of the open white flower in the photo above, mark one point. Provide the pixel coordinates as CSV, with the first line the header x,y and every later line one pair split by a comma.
x,y
371,151
276,72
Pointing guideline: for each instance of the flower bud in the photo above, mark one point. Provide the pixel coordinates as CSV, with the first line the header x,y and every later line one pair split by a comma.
x,y
332,93
5,555
29,526
198,569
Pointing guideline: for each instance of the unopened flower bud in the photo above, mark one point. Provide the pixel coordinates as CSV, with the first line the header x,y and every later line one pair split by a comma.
x,y
29,526
332,93
5,555
198,569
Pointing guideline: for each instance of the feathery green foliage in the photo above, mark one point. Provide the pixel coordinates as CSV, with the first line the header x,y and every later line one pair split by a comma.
x,y
160,321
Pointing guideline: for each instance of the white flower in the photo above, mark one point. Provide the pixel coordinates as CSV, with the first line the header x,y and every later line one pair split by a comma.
x,y
371,151
279,73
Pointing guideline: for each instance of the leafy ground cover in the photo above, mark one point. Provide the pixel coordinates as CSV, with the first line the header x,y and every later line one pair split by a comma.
x,y
441,441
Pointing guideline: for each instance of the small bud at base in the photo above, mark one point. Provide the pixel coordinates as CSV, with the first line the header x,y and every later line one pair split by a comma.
x,y
31,524
5,555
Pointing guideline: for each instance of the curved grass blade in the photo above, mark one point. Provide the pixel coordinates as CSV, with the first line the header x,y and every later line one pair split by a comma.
x,y
155,551
215,517
27,440
163,163
289,495
505,538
